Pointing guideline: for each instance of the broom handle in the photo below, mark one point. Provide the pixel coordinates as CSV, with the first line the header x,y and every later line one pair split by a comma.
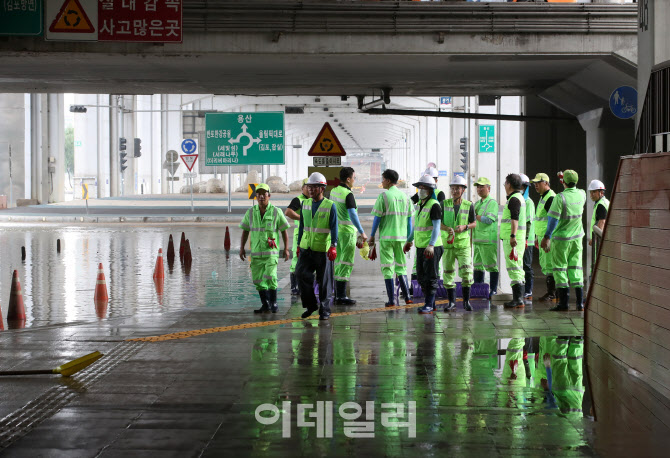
x,y
36,372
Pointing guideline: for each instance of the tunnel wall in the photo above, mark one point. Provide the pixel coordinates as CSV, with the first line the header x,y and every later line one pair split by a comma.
x,y
628,312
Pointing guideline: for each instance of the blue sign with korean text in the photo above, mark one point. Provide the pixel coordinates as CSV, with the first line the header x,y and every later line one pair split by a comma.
x,y
442,173
623,102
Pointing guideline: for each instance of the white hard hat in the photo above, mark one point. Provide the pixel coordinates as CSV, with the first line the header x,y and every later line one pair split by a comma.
x,y
317,178
432,171
524,179
458,181
595,185
426,180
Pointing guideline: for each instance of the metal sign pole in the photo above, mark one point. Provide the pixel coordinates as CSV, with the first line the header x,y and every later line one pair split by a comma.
x,y
230,191
9,204
192,180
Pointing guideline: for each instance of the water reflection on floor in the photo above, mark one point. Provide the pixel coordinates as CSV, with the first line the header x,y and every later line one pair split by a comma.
x,y
59,287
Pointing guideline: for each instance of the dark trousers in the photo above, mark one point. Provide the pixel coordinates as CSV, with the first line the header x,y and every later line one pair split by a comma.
x,y
309,263
428,270
528,268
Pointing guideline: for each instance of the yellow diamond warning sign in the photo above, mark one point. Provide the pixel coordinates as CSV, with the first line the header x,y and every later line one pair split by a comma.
x,y
71,18
327,143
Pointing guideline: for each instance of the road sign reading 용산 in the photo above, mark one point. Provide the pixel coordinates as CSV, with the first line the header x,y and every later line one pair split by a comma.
x,y
487,138
244,138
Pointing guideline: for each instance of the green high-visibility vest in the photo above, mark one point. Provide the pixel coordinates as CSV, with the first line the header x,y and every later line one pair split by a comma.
x,y
423,226
506,221
530,218
302,200
541,218
339,196
393,207
262,228
568,208
605,203
316,231
486,233
450,219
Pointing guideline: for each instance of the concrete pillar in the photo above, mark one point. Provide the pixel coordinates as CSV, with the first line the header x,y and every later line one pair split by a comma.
x,y
113,146
12,135
165,185
56,157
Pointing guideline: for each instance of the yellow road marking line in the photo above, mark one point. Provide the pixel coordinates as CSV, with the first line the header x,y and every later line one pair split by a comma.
x,y
200,332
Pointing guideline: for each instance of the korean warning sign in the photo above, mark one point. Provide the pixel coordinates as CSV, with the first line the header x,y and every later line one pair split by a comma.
x,y
326,143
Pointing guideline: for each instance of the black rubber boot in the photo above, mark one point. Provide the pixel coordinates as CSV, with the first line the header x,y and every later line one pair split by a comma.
x,y
493,283
563,300
265,308
478,276
390,292
579,292
294,285
272,300
466,299
551,290
402,279
451,305
341,294
411,284
517,297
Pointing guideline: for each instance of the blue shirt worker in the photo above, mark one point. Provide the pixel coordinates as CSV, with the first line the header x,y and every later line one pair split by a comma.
x,y
317,238
428,241
564,239
348,227
293,212
393,216
263,221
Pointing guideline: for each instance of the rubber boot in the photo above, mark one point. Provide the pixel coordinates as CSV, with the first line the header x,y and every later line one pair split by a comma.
x,y
428,307
265,308
551,290
341,294
294,285
451,305
390,292
466,299
563,300
402,279
411,285
579,292
517,297
478,276
272,300
493,283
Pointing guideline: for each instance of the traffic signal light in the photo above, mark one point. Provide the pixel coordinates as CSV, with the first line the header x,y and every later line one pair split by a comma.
x,y
123,160
464,154
77,109
137,148
122,144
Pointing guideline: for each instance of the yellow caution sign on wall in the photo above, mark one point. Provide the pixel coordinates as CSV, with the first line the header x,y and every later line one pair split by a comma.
x,y
84,191
252,190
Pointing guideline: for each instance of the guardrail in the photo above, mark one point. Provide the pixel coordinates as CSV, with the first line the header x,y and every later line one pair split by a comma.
x,y
322,16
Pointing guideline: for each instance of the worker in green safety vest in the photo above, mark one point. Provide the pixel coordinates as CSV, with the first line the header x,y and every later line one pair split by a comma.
x,y
317,238
348,226
541,183
393,216
458,217
530,238
565,376
263,221
600,208
513,236
293,212
564,239
485,236
428,241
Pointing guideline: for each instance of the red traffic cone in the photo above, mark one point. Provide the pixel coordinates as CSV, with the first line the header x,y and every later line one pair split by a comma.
x,y
101,308
16,310
170,250
2,326
100,286
226,241
182,245
160,289
188,258
159,270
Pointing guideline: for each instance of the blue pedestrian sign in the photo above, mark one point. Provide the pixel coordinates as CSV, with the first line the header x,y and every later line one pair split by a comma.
x,y
442,173
623,102
445,101
189,146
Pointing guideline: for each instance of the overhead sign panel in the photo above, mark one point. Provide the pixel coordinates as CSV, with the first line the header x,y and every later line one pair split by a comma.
x,y
244,138
140,21
327,143
21,18
71,20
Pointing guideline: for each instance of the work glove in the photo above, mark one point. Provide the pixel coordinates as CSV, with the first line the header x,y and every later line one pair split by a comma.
x,y
297,252
429,252
513,256
360,241
452,235
526,243
272,243
407,247
373,253
560,177
365,251
537,245
332,253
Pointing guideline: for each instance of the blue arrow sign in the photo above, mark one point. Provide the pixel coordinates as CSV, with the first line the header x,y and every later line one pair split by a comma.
x,y
189,146
623,102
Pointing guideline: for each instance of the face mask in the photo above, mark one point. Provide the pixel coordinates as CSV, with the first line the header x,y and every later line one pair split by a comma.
x,y
423,194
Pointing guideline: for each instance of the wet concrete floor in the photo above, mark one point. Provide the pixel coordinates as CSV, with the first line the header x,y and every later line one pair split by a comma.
x,y
293,388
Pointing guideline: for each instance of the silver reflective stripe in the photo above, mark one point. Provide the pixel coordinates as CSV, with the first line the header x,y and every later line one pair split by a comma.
x,y
505,220
258,282
575,357
399,264
395,213
387,265
393,237
345,223
423,228
344,263
244,227
543,218
337,199
565,239
265,253
490,215
564,210
554,214
482,241
562,285
515,268
574,217
316,229
575,268
516,283
257,229
323,210
559,269
341,278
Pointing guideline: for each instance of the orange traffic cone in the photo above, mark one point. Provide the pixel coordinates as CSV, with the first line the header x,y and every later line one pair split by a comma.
x,y
159,270
182,245
2,326
159,283
226,241
16,310
188,257
101,308
100,286
170,250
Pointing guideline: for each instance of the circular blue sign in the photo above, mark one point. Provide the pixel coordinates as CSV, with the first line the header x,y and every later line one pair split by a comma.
x,y
623,102
189,146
